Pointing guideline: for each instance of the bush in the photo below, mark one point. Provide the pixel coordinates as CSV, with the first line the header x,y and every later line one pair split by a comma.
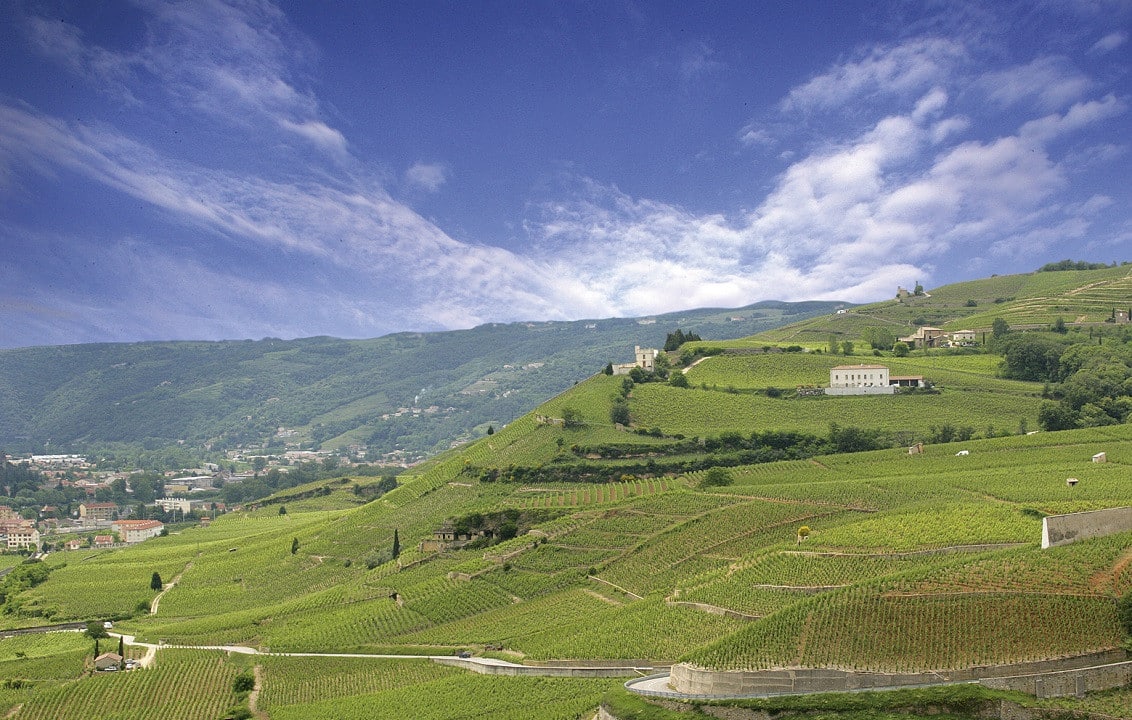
x,y
244,683
716,477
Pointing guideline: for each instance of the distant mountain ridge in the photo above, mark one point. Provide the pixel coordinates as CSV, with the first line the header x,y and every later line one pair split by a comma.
x,y
407,393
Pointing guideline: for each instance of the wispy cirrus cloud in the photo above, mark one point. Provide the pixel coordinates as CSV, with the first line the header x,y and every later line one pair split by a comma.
x,y
906,68
1110,42
236,63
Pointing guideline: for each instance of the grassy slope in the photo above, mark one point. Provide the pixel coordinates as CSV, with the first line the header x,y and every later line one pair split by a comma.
x,y
1084,296
864,573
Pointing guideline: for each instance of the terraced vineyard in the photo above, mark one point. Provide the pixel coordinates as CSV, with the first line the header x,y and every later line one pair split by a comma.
x,y
927,561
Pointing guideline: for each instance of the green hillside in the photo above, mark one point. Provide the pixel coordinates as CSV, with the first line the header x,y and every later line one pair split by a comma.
x,y
641,523
1085,297
414,392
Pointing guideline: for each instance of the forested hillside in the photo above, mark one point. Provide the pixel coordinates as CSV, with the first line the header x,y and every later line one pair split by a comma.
x,y
415,392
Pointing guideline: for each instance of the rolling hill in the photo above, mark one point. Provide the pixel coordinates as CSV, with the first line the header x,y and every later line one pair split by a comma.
x,y
724,529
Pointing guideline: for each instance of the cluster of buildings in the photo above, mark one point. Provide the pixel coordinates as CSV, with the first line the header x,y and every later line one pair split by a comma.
x,y
933,337
16,533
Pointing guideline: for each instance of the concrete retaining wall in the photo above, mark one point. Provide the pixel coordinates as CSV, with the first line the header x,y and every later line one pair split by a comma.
x,y
1066,682
1064,529
695,681
870,390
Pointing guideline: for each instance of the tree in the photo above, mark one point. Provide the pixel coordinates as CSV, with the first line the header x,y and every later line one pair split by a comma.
x,y
294,545
155,581
1059,325
95,629
679,380
999,328
847,347
490,429
900,349
396,544
833,345
571,418
244,683
803,533
608,369
282,509
259,463
619,412
919,289
878,338
716,477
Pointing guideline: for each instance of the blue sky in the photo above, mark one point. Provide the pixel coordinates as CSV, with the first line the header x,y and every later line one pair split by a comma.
x,y
207,170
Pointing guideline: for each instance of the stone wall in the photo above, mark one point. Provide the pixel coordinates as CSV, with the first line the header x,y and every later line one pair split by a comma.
x,y
695,681
870,390
1064,529
1066,682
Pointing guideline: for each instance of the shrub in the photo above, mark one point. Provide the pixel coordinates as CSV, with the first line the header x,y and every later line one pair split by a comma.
x,y
243,683
716,477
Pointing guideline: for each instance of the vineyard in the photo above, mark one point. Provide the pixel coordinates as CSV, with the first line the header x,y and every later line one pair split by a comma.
x,y
908,562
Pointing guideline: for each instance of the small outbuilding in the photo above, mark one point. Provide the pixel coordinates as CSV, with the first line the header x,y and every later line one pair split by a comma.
x,y
108,660
1100,458
1071,481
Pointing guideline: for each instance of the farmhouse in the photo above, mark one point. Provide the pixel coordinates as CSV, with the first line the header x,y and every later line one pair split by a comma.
x,y
868,380
924,337
103,541
108,660
135,531
645,359
859,380
963,337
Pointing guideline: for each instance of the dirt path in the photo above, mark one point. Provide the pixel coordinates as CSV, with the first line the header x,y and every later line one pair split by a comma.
x,y
253,696
169,586
149,657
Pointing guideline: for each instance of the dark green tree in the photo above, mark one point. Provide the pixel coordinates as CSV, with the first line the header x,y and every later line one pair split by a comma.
x,y
999,328
294,545
571,418
244,683
95,629
716,477
608,369
282,509
396,544
678,379
490,429
619,412
155,581
900,349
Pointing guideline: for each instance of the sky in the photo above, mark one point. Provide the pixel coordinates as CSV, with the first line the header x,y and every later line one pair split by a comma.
x,y
227,170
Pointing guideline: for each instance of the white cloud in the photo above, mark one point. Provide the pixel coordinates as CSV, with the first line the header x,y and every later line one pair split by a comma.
x,y
1110,42
427,176
230,62
1081,114
907,68
1052,82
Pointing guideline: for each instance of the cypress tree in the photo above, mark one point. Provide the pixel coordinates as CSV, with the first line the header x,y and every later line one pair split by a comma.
x,y
396,544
